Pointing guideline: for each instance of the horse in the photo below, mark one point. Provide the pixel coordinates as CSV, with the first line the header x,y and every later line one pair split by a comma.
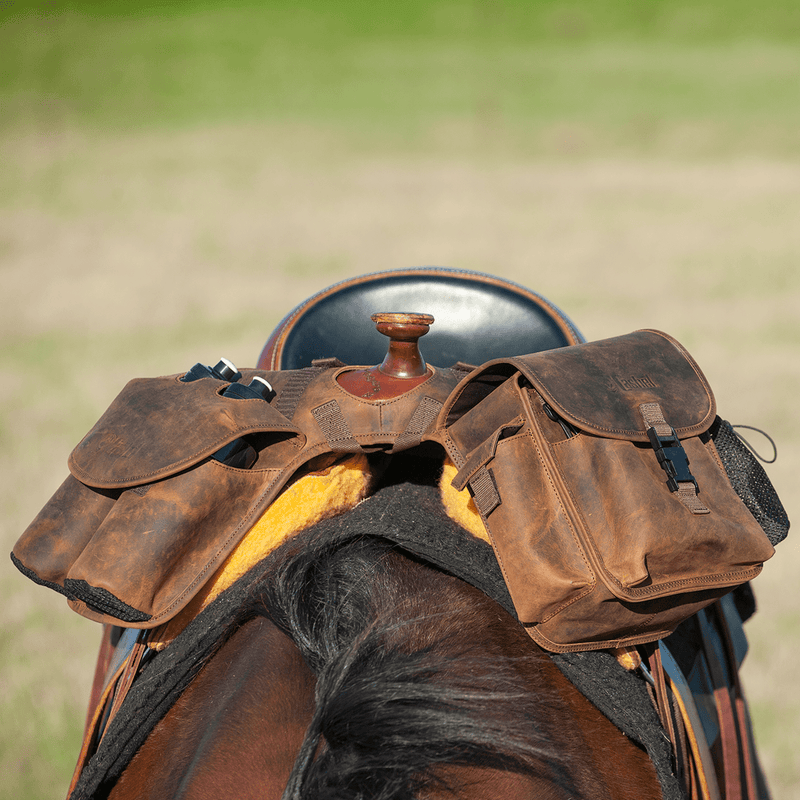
x,y
375,651
346,666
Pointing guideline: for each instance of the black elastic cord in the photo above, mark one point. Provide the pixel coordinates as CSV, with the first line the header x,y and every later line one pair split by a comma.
x,y
752,449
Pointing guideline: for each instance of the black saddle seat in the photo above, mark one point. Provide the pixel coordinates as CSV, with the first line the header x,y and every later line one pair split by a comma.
x,y
478,317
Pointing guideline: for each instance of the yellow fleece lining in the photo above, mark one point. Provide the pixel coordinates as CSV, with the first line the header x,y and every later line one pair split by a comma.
x,y
315,496
330,489
459,505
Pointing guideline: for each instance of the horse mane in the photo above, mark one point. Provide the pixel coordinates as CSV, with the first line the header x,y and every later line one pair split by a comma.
x,y
404,689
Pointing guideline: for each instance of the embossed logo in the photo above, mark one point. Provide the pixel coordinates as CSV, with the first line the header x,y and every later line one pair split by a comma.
x,y
635,382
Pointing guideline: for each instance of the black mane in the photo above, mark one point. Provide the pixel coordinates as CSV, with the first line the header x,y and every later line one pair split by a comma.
x,y
400,689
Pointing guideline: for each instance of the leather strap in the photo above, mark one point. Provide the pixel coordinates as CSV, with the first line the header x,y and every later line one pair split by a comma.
x,y
334,427
90,736
738,760
126,679
118,682
663,706
686,490
748,754
702,780
101,669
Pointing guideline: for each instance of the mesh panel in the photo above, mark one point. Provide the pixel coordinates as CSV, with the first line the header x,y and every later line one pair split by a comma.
x,y
750,481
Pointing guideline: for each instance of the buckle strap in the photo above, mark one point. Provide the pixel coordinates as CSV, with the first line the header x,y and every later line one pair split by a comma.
x,y
484,491
672,458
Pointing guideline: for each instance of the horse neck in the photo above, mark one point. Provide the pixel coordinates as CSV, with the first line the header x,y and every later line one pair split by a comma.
x,y
392,680
398,629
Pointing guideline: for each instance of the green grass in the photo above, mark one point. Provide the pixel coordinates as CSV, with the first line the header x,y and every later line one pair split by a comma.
x,y
410,75
40,737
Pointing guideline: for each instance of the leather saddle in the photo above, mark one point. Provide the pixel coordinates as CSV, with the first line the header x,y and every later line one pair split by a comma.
x,y
701,659
478,317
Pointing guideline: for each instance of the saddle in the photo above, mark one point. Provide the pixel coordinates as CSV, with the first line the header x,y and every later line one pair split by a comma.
x,y
599,471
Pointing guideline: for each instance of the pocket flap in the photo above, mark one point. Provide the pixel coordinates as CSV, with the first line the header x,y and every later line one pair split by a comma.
x,y
157,427
484,452
599,386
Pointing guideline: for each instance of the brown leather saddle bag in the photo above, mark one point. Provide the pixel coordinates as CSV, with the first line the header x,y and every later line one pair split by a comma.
x,y
608,507
147,513
562,450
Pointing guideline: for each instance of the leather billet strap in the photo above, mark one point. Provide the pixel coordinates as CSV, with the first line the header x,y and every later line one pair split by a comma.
x,y
694,762
735,775
124,662
738,752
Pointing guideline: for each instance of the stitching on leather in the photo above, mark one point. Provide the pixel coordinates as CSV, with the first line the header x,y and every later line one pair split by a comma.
x,y
699,427
655,590
255,509
452,450
592,577
178,601
549,644
175,467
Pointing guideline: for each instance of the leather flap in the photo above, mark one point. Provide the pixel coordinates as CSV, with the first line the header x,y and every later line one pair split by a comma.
x,y
599,386
157,427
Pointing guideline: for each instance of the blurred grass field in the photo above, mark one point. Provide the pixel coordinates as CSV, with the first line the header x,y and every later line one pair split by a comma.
x,y
174,177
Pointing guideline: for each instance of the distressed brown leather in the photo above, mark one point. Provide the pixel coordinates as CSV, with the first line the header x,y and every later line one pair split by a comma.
x,y
145,516
596,550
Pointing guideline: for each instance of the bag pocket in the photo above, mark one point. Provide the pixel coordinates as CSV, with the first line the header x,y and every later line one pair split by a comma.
x,y
161,541
149,510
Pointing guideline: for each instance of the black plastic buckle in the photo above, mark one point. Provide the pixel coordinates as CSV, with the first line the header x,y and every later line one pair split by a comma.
x,y
673,459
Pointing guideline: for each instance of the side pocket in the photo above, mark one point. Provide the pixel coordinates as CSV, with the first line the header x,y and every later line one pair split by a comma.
x,y
645,543
60,532
162,540
542,560
750,482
